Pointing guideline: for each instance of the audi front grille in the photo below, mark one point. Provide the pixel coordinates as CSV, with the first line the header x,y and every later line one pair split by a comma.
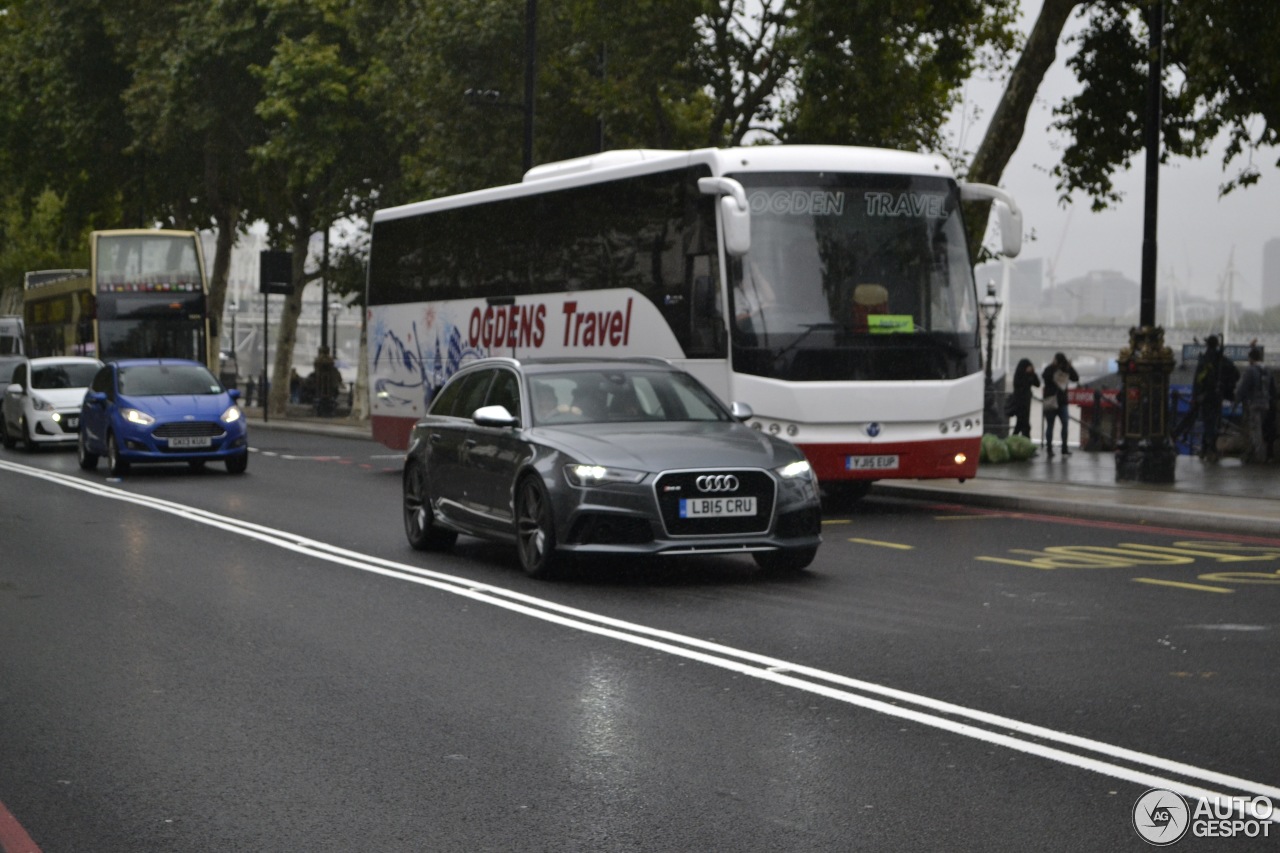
x,y
673,487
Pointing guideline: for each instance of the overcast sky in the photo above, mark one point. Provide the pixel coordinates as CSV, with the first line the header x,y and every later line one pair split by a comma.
x,y
1197,230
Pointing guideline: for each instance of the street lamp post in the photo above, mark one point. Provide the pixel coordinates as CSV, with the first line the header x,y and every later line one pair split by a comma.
x,y
992,422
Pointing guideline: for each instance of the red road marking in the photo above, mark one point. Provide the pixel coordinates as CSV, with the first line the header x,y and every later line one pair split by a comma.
x,y
13,838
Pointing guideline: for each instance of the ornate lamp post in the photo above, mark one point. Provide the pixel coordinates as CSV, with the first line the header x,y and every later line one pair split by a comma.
x,y
1146,453
990,307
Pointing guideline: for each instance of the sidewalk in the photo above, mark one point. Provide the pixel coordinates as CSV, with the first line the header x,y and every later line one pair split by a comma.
x,y
1227,495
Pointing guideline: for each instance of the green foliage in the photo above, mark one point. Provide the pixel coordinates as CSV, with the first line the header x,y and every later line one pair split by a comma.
x,y
887,74
994,450
1020,448
34,238
1221,77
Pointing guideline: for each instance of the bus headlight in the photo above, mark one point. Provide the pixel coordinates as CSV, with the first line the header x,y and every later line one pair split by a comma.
x,y
134,416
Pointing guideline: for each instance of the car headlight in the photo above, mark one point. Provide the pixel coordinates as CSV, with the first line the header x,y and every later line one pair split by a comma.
x,y
598,475
134,416
231,415
40,404
800,469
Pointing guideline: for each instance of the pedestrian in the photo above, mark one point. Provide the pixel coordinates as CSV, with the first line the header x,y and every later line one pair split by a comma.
x,y
250,388
1024,379
1215,379
1056,376
295,385
1256,392
328,383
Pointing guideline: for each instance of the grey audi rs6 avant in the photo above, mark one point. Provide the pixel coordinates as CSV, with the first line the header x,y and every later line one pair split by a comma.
x,y
603,458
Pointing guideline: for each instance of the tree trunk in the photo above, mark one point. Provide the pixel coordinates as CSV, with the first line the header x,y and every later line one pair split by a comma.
x,y
227,221
1010,118
287,335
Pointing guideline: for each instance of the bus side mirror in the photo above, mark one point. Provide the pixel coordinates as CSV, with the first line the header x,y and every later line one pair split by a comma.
x,y
735,214
1008,214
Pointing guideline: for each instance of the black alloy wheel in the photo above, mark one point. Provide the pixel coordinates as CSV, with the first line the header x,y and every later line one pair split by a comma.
x,y
420,526
535,529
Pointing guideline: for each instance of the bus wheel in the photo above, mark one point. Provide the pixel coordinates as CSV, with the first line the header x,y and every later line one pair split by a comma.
x,y
843,495
535,529
786,561
116,466
88,461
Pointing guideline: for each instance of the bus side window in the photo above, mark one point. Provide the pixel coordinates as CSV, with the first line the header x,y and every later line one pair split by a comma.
x,y
706,310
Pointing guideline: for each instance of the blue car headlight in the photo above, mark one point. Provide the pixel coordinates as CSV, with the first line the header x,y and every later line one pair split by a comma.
x,y
599,475
798,470
231,415
134,416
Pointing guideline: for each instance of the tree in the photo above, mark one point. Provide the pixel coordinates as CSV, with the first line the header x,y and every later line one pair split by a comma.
x,y
1221,73
191,103
1222,76
887,74
321,147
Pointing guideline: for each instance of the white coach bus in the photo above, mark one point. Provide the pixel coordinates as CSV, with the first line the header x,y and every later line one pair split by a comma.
x,y
828,287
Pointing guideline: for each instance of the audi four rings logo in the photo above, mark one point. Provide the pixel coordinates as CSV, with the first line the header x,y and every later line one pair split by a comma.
x,y
717,483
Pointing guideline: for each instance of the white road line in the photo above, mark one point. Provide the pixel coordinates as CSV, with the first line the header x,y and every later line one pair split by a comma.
x,y
946,716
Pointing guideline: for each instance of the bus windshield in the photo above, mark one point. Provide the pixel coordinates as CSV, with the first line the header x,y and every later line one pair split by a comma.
x,y
852,276
147,262
150,296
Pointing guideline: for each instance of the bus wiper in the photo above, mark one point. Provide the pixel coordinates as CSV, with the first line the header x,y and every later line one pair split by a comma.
x,y
809,328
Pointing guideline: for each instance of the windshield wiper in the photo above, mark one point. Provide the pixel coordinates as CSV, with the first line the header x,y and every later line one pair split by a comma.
x,y
809,328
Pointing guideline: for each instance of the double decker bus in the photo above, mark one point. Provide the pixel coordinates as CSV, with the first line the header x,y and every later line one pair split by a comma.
x,y
144,295
828,287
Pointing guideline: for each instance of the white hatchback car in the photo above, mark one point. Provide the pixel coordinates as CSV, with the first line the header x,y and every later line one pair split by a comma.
x,y
42,402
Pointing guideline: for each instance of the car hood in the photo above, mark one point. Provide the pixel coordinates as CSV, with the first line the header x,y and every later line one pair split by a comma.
x,y
61,398
200,406
666,446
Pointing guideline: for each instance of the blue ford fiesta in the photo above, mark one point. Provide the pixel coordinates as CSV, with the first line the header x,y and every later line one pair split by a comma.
x,y
161,410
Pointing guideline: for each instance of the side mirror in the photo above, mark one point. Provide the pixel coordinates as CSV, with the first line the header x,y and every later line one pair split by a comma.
x,y
741,411
494,416
95,397
233,393
15,388
1008,214
735,213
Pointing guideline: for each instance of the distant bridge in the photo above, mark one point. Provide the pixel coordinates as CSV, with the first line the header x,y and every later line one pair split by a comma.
x,y
1040,341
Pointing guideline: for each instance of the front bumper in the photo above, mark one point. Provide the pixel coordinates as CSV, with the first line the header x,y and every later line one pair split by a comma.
x,y
629,519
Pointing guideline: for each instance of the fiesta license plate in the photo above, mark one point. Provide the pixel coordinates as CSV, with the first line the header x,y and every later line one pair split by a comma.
x,y
871,463
188,443
717,507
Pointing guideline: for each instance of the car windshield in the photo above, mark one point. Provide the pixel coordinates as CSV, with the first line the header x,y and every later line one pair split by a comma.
x,y
48,377
612,396
154,380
